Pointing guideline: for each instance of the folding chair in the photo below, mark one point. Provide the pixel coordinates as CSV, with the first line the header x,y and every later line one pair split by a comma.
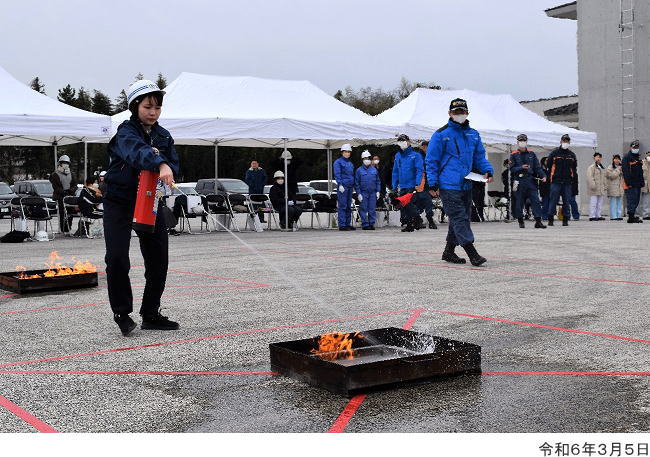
x,y
308,206
218,205
239,204
325,204
267,207
70,210
37,209
500,207
16,212
196,208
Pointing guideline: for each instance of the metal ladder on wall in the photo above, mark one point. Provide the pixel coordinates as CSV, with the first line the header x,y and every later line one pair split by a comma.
x,y
628,106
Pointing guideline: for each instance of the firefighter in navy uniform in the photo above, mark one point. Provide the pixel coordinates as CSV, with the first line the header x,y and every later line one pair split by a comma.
x,y
525,168
139,144
562,167
632,167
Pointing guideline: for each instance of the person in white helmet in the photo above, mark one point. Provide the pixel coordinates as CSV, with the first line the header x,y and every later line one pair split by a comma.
x,y
276,195
368,187
139,144
102,182
64,184
344,176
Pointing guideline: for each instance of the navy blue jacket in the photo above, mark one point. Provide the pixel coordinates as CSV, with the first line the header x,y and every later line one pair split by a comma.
x,y
407,169
527,157
366,180
256,180
562,166
344,172
632,170
455,150
131,150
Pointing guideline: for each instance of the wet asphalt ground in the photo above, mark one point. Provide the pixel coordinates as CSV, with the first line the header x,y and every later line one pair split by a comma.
x,y
561,315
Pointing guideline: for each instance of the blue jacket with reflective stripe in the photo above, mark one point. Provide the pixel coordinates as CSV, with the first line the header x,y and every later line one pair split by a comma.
x,y
408,169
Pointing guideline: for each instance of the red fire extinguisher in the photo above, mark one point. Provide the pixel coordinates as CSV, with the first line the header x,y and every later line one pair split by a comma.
x,y
146,203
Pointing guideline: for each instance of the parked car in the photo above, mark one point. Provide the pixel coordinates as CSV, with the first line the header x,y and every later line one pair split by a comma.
x,y
224,185
34,188
320,186
6,194
187,188
302,189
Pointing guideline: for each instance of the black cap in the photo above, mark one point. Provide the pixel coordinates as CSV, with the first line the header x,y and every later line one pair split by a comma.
x,y
424,143
634,144
403,137
565,137
597,154
458,103
522,137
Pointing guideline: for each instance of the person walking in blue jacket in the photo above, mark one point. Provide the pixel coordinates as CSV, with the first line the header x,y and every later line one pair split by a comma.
x,y
256,178
139,144
454,150
368,186
344,176
407,174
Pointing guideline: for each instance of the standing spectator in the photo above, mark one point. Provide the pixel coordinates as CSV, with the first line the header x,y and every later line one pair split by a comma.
x,y
563,170
597,184
344,176
453,151
407,174
256,179
367,185
64,184
293,166
276,195
645,190
615,189
544,187
633,181
424,201
525,169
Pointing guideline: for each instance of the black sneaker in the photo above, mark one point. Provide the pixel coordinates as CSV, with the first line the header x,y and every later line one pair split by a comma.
x,y
125,323
351,228
158,322
366,227
371,227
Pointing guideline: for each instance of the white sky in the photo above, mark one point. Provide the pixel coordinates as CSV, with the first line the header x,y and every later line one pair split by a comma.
x,y
499,46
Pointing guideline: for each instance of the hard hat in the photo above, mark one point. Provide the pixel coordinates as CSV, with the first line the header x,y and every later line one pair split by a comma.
x,y
346,147
41,235
365,154
278,174
286,154
140,88
103,173
64,158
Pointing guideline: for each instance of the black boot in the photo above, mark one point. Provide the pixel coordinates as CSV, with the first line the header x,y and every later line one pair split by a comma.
x,y
538,223
521,222
474,257
408,227
157,322
432,224
125,323
632,219
550,221
418,223
565,222
450,256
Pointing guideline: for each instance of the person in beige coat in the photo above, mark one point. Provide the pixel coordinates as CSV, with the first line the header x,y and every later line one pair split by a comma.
x,y
597,185
615,189
644,205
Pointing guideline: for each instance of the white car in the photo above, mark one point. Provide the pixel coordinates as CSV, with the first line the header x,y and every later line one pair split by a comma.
x,y
320,185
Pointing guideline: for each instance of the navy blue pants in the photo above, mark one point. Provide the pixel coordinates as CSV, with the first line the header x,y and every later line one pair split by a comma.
x,y
424,202
527,190
408,212
118,217
632,195
458,207
565,191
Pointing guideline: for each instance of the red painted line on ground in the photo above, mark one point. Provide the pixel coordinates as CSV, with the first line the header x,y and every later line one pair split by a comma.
x,y
25,416
549,327
566,373
167,373
355,402
7,296
202,338
220,277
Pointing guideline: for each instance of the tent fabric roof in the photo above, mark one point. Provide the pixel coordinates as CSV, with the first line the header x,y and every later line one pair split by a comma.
x,y
256,112
28,118
498,118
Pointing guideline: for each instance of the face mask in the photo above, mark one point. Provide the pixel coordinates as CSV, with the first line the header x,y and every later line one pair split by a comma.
x,y
280,181
367,162
376,162
565,145
459,118
402,145
522,144
635,151
95,186
648,158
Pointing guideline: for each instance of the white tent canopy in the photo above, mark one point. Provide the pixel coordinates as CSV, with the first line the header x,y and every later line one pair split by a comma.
x,y
28,118
498,118
255,112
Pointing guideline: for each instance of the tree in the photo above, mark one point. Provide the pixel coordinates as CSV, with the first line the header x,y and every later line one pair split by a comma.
x,y
83,100
37,86
138,77
67,95
161,82
101,103
121,103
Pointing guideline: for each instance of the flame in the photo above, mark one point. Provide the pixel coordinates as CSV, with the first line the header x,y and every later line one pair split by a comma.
x,y
56,268
336,345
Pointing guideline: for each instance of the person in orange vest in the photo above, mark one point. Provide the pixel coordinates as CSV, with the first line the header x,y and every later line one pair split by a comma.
x,y
633,181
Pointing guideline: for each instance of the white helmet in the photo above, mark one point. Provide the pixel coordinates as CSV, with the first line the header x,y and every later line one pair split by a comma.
x,y
365,154
346,147
41,235
278,174
286,155
103,173
140,88
64,158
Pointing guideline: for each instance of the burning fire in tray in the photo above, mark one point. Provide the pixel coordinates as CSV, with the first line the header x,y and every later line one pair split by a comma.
x,y
56,268
336,345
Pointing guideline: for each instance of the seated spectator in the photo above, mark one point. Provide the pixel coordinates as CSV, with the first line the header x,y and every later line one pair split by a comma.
x,y
276,195
89,200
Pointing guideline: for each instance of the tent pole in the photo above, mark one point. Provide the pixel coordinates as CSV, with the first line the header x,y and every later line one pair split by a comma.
x,y
216,164
286,188
85,161
329,169
509,187
55,144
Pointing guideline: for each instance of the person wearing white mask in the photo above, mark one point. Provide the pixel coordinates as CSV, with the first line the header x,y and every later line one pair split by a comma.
x,y
644,206
562,165
633,181
344,176
368,186
525,168
64,184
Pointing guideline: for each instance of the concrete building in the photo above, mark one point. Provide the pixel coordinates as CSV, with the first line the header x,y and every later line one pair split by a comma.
x,y
563,110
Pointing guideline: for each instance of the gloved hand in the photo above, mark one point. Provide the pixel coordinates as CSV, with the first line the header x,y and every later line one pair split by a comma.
x,y
290,202
360,197
378,194
341,188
